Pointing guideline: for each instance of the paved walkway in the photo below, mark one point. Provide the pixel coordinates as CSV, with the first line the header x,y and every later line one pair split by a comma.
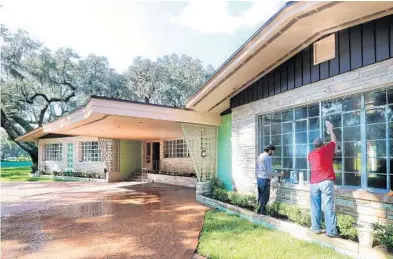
x,y
96,220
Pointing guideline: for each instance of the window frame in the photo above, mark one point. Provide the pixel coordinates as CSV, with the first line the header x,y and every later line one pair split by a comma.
x,y
362,110
87,146
54,157
176,149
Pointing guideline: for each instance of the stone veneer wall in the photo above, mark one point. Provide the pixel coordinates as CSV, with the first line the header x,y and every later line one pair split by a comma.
x,y
369,207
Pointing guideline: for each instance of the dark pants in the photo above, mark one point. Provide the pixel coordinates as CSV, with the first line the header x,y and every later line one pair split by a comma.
x,y
263,194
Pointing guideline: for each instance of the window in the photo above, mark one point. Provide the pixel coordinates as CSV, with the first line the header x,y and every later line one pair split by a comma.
x,y
364,127
148,152
91,151
53,152
175,148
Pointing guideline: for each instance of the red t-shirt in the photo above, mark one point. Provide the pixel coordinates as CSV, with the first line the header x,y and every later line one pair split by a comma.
x,y
321,161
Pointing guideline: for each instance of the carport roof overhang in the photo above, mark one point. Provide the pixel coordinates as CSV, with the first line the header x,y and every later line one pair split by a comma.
x,y
294,27
113,118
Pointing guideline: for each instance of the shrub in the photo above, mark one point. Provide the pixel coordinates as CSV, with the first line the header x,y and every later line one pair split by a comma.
x,y
220,194
346,226
272,209
216,183
245,201
384,235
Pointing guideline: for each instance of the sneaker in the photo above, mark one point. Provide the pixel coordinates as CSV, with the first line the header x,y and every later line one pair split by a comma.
x,y
316,231
331,236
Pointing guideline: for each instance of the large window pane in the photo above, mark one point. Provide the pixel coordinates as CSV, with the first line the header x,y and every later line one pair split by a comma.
x,y
351,119
339,178
375,115
287,139
301,126
337,163
301,150
352,103
266,130
287,163
301,163
287,127
334,106
278,151
390,95
276,128
352,179
390,113
313,110
276,162
377,181
300,113
313,135
376,131
287,115
376,165
276,140
335,119
352,134
314,124
376,148
287,151
301,137
352,164
375,98
352,149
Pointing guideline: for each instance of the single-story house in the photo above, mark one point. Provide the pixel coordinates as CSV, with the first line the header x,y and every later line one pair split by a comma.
x,y
311,62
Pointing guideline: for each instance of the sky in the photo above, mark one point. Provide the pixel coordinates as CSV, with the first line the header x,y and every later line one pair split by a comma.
x,y
123,29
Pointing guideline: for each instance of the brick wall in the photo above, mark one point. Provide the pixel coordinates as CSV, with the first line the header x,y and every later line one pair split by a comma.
x,y
244,137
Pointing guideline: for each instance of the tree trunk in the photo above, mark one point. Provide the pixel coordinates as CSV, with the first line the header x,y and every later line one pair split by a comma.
x,y
13,132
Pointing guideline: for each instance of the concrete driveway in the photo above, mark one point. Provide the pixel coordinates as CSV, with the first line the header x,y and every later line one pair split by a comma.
x,y
97,220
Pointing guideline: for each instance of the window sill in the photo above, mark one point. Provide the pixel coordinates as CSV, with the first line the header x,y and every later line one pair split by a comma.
x,y
345,191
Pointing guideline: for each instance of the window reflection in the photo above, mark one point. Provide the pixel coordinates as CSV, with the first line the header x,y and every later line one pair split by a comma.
x,y
364,144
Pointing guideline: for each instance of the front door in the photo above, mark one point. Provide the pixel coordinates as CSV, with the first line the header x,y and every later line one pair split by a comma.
x,y
156,156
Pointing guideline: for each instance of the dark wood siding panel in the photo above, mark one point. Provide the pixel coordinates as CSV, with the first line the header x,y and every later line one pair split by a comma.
x,y
324,70
277,81
368,45
343,48
333,63
291,73
284,78
265,86
260,88
381,39
355,39
306,65
255,92
271,84
298,70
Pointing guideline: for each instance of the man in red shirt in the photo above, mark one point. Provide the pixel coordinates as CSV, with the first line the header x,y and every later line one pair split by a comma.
x,y
322,184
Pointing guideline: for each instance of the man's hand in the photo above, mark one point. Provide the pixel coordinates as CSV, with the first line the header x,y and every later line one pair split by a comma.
x,y
329,127
281,174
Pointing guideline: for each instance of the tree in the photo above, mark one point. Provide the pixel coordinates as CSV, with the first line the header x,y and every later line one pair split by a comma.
x,y
39,85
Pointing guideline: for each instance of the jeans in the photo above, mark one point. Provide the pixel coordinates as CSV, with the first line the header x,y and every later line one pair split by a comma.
x,y
324,190
263,194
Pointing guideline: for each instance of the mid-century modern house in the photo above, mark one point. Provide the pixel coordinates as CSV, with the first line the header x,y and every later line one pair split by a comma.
x,y
311,62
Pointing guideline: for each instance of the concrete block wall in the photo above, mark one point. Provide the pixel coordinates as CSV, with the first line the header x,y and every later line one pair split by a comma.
x,y
245,136
60,166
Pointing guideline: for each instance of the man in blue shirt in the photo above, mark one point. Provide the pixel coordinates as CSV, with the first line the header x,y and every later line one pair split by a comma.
x,y
264,174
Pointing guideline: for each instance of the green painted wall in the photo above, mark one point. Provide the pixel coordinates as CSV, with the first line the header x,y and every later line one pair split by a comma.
x,y
130,157
224,165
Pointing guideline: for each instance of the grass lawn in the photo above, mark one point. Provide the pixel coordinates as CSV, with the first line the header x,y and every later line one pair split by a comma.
x,y
20,174
228,236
